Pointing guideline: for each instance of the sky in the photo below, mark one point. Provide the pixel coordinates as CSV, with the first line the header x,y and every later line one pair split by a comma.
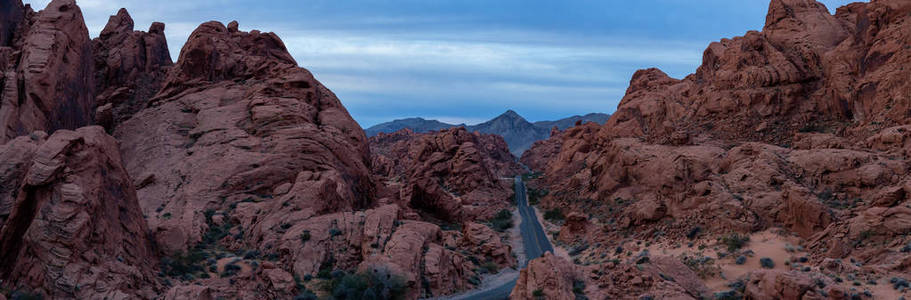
x,y
466,61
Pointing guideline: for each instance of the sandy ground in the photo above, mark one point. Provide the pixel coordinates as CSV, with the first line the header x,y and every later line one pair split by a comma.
x,y
549,227
771,244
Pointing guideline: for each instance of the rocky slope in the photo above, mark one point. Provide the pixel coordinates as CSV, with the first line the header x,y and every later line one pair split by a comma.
x,y
230,173
518,132
70,223
452,174
799,129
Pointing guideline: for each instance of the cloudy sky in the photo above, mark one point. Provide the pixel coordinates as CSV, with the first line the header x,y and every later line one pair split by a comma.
x,y
467,60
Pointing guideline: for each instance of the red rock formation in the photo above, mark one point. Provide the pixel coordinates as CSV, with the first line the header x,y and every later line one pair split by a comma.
x,y
239,121
74,228
47,73
791,286
480,239
130,67
452,175
548,276
802,126
807,69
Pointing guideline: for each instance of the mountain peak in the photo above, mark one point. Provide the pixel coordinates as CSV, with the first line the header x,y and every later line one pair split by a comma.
x,y
511,114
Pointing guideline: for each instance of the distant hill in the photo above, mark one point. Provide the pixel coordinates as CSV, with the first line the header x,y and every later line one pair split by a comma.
x,y
562,124
415,124
516,130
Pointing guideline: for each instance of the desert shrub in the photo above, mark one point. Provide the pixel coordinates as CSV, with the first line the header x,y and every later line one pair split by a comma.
x,y
333,232
578,287
25,295
741,260
490,267
578,249
694,232
555,214
230,270
306,295
502,221
305,236
735,241
728,295
535,195
703,266
899,283
767,263
179,264
375,284
538,294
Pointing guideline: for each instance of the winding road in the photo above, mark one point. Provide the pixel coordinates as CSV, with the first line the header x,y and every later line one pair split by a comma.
x,y
533,238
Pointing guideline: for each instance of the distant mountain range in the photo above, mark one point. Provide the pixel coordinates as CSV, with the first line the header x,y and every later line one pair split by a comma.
x,y
518,132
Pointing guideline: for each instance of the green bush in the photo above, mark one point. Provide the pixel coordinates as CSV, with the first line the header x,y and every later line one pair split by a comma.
x,y
735,241
502,221
555,214
180,264
538,294
767,263
535,195
305,236
230,270
490,267
375,284
25,295
306,295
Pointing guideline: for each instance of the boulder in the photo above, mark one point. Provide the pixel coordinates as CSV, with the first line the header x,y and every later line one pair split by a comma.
x,y
74,229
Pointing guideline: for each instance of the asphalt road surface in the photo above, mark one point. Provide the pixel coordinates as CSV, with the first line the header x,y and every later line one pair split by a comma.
x,y
533,237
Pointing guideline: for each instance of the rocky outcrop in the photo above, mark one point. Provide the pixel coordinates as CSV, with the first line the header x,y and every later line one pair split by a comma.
x,y
237,121
806,71
791,286
484,241
130,67
47,69
800,128
547,277
451,175
72,225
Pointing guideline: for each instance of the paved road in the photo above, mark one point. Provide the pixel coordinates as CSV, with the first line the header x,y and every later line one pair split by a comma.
x,y
533,237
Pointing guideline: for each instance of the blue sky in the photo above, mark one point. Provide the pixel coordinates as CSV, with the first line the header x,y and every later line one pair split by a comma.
x,y
467,60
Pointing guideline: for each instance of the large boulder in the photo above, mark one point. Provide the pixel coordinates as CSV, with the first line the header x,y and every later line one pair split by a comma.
x,y
48,82
74,227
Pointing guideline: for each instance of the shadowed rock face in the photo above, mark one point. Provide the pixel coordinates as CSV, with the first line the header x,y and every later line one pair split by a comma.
x,y
801,127
72,226
47,73
130,67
